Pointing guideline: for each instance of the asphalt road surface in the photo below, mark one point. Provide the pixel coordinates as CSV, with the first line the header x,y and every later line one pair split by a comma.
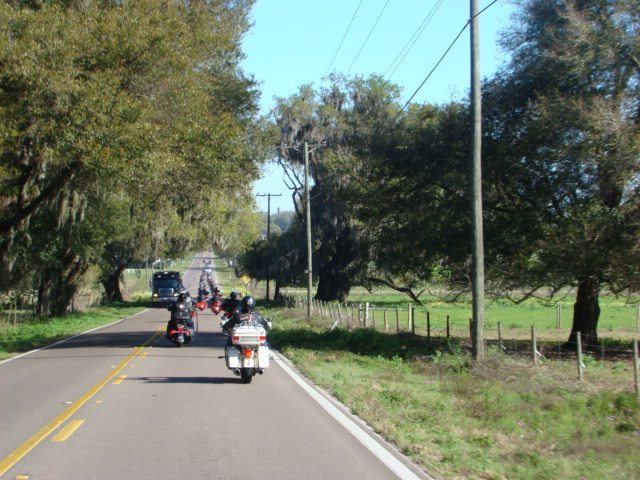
x,y
121,402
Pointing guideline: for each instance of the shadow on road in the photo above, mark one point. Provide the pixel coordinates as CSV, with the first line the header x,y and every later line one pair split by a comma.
x,y
211,380
138,338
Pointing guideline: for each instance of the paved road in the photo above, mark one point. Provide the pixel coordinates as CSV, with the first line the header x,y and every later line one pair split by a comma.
x,y
121,402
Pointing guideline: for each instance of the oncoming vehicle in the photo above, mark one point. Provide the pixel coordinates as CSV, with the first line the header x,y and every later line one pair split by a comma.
x,y
208,269
166,286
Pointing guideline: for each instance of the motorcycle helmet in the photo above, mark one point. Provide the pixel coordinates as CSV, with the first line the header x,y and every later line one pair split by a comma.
x,y
248,303
182,297
233,295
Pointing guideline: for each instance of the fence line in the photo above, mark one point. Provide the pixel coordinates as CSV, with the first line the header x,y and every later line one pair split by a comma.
x,y
363,315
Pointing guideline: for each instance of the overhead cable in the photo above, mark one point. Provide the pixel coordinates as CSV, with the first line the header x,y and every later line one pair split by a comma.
x,y
444,55
414,38
342,41
367,39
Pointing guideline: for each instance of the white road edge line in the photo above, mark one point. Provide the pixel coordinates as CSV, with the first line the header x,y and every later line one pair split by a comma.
x,y
70,338
378,450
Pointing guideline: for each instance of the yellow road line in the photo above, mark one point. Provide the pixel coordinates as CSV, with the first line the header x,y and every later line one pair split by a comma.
x,y
118,380
45,431
66,432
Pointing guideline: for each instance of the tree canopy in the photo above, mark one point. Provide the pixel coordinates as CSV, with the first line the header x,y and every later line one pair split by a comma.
x,y
124,132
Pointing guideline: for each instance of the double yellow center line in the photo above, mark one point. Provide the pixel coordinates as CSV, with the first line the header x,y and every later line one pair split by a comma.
x,y
45,431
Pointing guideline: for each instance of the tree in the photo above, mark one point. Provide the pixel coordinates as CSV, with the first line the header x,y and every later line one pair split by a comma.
x,y
411,201
289,248
337,121
117,103
562,156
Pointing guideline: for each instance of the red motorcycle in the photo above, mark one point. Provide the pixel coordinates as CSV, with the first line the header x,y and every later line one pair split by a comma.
x,y
216,305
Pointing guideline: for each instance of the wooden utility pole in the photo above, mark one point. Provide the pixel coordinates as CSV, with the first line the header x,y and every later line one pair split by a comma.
x,y
477,337
307,195
269,195
308,210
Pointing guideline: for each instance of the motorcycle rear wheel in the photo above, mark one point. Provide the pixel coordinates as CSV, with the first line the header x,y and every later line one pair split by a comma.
x,y
246,374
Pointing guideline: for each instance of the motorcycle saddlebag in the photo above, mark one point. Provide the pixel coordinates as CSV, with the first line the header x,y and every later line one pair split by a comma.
x,y
263,356
233,357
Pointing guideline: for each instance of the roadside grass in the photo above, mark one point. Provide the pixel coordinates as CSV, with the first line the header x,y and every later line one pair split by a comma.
x,y
500,419
23,337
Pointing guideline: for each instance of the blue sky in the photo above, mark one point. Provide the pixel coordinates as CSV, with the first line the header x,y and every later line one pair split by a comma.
x,y
295,42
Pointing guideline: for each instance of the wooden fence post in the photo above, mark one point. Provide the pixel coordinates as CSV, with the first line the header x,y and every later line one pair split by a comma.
x,y
558,315
428,327
579,344
397,322
635,366
448,328
366,314
534,345
500,345
386,325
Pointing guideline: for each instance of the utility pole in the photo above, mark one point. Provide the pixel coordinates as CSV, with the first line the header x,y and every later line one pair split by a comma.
x,y
307,194
269,195
308,210
477,322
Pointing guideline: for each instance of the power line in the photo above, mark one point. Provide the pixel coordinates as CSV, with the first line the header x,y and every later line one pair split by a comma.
x,y
345,36
367,39
419,31
444,55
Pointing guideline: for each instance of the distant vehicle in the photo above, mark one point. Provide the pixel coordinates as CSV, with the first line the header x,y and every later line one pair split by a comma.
x,y
166,286
208,269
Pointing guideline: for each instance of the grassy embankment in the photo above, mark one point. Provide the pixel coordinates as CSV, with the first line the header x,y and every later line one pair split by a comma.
x,y
502,419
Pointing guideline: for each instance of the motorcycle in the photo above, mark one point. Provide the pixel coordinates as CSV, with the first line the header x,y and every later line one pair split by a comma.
x,y
249,353
180,327
180,335
216,305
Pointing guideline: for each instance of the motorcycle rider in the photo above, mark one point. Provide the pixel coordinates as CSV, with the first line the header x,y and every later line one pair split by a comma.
x,y
231,304
216,295
181,311
247,313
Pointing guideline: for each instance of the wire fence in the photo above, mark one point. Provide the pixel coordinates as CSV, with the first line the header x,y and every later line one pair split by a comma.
x,y
534,344
22,307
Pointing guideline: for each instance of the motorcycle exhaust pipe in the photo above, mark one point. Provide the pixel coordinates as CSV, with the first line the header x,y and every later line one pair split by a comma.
x,y
261,371
236,371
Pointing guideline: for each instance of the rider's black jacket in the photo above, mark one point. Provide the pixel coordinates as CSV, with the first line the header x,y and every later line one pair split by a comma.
x,y
242,315
180,311
231,305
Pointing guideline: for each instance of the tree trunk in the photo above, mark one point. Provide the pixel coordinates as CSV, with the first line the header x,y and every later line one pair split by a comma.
x,y
334,260
68,277
277,295
332,285
586,312
46,292
111,285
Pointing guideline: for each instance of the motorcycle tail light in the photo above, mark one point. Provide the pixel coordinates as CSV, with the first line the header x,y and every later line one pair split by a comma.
x,y
236,338
248,353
